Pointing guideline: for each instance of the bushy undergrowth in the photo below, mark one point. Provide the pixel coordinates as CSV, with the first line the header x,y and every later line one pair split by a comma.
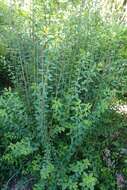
x,y
58,129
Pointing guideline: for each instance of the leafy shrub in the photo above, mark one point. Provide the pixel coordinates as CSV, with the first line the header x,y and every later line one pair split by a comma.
x,y
57,125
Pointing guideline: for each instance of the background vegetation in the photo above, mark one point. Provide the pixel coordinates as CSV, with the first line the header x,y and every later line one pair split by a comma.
x,y
63,73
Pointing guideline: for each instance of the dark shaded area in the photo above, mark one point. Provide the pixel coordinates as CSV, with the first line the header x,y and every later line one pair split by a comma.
x,y
5,81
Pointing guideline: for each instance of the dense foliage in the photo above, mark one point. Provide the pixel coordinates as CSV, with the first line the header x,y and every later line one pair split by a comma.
x,y
63,69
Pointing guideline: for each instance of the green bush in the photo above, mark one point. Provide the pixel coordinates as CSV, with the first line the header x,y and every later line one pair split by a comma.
x,y
58,128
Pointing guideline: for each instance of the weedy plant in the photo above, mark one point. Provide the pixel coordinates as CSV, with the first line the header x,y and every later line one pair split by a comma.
x,y
57,125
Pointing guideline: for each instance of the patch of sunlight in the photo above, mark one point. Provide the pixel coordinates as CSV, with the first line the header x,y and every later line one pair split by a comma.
x,y
121,108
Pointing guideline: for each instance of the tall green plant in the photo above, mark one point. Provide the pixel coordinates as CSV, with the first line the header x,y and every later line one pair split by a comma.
x,y
67,70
